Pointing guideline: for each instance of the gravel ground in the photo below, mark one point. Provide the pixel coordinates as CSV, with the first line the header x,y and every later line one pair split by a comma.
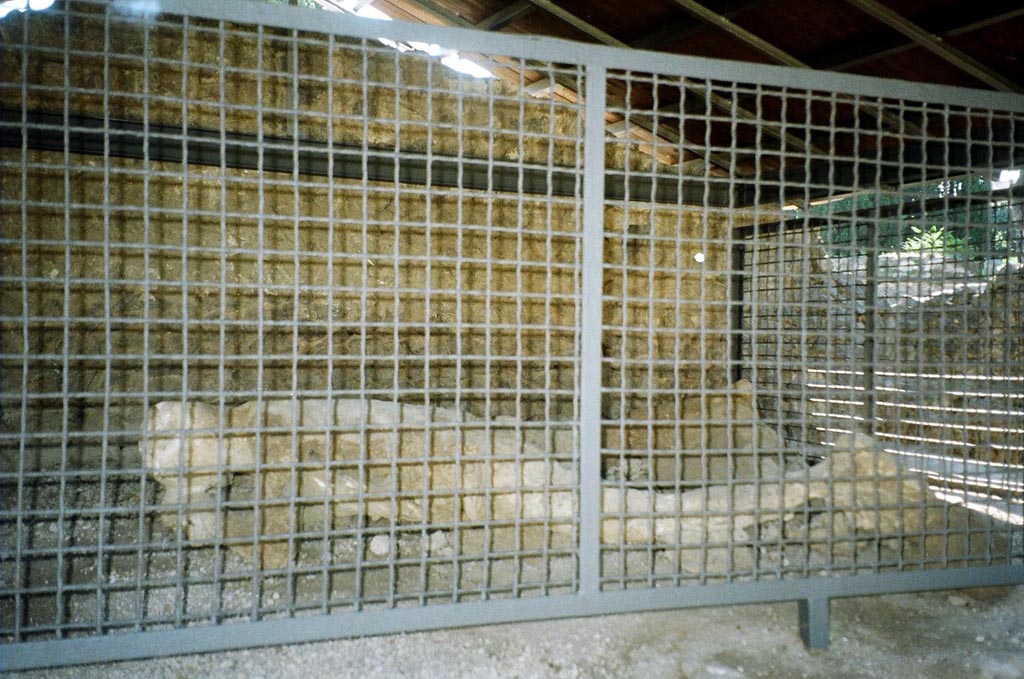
x,y
946,635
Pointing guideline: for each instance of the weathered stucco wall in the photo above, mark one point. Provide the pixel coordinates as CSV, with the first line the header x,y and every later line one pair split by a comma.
x,y
355,92
227,283
157,300
320,308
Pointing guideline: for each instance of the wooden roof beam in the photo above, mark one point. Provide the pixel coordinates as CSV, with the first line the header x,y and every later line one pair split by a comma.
x,y
936,45
681,30
437,10
579,23
426,11
947,24
728,26
506,16
717,100
660,147
780,56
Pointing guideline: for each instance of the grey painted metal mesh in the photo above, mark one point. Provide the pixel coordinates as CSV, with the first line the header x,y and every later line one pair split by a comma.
x,y
806,383
306,329
242,385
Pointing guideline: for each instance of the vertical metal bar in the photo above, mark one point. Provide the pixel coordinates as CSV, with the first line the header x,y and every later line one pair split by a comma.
x,y
626,307
326,548
678,399
428,312
181,559
295,459
870,300
20,562
256,581
705,387
65,367
102,521
650,380
395,426
590,329
738,261
705,465
520,320
220,520
358,567
814,619
872,498
142,536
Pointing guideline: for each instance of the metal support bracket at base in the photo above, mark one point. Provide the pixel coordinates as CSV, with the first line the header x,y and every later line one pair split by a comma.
x,y
814,622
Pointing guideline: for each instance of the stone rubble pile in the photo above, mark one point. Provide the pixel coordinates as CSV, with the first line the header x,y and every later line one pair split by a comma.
x,y
410,465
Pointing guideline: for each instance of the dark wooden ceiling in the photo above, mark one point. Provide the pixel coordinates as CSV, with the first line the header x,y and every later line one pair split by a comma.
x,y
923,40
970,43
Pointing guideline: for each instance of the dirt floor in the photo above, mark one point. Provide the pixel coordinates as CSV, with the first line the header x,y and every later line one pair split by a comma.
x,y
942,635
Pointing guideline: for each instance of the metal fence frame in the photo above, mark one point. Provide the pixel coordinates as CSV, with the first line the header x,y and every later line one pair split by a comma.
x,y
813,595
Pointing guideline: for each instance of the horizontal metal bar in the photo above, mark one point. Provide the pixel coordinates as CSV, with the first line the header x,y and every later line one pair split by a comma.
x,y
134,645
166,143
557,50
994,147
911,207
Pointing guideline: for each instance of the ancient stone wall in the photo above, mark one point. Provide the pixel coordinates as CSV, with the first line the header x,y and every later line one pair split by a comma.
x,y
146,280
952,358
947,356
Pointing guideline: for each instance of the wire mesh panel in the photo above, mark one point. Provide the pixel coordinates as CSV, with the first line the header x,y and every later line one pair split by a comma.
x,y
856,301
336,334
792,380
290,325
684,448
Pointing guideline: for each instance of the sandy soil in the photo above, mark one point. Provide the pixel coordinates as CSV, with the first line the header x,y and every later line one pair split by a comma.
x,y
943,635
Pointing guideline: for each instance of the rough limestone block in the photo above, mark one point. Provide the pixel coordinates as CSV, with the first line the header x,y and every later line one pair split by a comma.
x,y
640,516
408,464
404,464
722,440
867,502
714,561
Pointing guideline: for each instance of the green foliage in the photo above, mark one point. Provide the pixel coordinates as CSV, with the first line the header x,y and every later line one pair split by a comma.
x,y
972,230
1000,241
935,239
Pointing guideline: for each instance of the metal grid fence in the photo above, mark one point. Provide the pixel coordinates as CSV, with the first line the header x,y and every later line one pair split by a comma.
x,y
305,328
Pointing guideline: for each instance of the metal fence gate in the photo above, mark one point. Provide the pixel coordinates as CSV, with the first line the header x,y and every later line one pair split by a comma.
x,y
338,334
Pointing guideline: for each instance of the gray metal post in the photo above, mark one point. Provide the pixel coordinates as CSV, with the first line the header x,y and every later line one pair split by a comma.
x,y
590,333
814,622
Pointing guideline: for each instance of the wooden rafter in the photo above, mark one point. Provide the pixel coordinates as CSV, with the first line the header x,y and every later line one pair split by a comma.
x,y
947,25
579,23
781,56
427,9
717,100
662,148
507,15
936,45
725,24
680,30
